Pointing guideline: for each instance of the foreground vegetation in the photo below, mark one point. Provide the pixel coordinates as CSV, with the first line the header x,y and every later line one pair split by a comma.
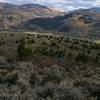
x,y
49,67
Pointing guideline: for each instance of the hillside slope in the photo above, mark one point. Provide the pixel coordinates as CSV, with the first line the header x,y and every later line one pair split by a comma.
x,y
13,15
34,17
48,67
80,22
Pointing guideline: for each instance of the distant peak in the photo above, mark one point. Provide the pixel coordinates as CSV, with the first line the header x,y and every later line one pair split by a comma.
x,y
33,5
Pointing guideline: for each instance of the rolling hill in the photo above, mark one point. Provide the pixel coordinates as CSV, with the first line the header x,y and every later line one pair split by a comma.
x,y
13,15
80,22
34,17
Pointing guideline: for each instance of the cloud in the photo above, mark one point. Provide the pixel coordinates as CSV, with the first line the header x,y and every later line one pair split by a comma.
x,y
60,4
1,0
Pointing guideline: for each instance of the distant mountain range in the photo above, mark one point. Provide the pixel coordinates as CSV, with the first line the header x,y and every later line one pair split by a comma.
x,y
13,15
82,22
34,17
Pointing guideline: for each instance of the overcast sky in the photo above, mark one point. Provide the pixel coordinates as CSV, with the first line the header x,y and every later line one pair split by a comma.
x,y
60,4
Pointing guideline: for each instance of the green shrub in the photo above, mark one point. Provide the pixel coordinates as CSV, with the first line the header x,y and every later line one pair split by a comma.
x,y
23,52
33,79
12,79
27,52
82,58
21,48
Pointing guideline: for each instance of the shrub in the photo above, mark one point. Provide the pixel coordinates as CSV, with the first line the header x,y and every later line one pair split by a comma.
x,y
58,92
54,74
82,58
53,44
12,78
70,55
33,79
31,41
21,48
27,52
92,86
23,52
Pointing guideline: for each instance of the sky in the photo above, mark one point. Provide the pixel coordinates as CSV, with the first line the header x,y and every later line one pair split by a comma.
x,y
65,5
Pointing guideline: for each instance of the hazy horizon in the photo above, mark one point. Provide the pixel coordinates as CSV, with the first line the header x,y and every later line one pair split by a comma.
x,y
64,5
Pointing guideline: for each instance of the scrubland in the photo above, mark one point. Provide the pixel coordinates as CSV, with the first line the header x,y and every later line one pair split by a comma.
x,y
48,67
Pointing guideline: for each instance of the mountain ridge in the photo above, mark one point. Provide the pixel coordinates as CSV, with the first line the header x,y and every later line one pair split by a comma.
x,y
34,17
13,15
